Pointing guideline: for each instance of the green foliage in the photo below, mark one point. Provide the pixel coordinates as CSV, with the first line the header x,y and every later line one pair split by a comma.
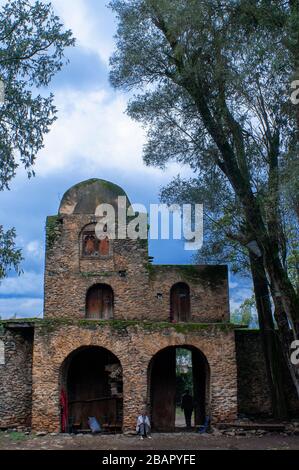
x,y
17,436
10,255
184,373
50,325
212,82
32,44
245,314
53,230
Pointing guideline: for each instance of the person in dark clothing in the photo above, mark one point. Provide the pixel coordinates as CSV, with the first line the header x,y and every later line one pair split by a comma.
x,y
187,406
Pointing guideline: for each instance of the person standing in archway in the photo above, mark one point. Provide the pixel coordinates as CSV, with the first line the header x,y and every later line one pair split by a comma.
x,y
187,406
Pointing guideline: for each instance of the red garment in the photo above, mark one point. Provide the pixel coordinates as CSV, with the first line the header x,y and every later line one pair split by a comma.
x,y
64,410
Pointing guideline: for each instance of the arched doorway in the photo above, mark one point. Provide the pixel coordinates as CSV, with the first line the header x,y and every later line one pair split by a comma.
x,y
99,302
91,386
180,303
165,393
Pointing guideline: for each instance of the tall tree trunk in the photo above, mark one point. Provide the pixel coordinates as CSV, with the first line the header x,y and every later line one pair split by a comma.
x,y
286,338
283,292
271,347
294,7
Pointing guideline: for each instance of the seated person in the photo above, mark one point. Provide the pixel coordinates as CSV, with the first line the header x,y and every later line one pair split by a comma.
x,y
143,427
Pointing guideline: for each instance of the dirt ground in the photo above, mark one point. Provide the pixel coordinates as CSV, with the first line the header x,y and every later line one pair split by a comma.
x,y
177,441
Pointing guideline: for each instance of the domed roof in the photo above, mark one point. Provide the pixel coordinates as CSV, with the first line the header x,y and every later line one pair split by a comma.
x,y
83,198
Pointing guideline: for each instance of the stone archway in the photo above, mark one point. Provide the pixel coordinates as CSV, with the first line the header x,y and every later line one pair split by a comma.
x,y
163,387
91,385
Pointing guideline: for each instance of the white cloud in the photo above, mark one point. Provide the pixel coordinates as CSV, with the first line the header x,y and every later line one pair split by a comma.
x,y
26,285
233,285
92,29
92,132
35,250
21,308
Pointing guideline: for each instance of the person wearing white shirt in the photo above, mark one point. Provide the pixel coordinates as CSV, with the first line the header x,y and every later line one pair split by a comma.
x,y
143,427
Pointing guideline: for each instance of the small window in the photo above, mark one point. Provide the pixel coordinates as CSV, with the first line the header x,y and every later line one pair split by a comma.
x,y
99,302
180,303
92,247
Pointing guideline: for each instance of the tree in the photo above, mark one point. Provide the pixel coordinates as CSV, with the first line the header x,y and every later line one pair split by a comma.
x,y
244,314
213,86
223,223
10,256
32,44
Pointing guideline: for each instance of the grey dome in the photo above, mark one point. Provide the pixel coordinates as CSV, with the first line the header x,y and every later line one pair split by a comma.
x,y
84,197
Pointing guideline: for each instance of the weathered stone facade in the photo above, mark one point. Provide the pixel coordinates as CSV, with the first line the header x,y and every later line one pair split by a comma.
x,y
140,325
69,275
134,346
16,377
253,389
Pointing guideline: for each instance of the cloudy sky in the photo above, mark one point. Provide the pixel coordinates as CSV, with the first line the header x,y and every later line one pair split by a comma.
x,y
92,137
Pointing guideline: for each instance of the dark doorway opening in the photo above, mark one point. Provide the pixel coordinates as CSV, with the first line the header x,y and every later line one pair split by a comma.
x,y
93,385
167,386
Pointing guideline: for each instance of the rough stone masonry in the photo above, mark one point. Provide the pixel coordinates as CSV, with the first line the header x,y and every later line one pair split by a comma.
x,y
111,304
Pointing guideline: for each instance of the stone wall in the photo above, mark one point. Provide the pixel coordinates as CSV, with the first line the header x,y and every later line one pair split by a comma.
x,y
208,291
134,346
253,389
16,378
68,276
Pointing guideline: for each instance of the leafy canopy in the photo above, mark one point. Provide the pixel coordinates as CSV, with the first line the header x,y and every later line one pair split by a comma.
x,y
32,45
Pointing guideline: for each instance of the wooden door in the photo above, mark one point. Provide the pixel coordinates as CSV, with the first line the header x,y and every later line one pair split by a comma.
x,y
99,302
163,390
107,304
180,302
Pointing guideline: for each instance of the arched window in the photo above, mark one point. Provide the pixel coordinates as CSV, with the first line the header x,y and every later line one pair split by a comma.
x,y
180,303
99,302
92,247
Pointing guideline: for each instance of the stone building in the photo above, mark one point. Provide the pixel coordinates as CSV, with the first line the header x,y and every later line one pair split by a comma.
x,y
112,324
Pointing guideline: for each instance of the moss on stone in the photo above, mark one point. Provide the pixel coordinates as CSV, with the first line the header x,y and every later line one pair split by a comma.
x,y
49,325
143,243
85,183
5,322
96,274
150,268
112,187
53,230
212,275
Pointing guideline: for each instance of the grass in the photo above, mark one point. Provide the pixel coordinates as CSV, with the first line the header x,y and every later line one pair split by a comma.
x,y
14,436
